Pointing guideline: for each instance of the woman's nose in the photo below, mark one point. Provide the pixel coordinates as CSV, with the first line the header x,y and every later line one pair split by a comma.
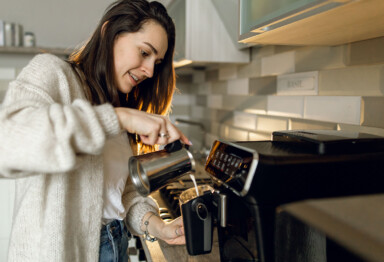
x,y
148,68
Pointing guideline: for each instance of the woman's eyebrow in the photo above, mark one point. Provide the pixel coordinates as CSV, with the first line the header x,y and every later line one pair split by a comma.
x,y
151,46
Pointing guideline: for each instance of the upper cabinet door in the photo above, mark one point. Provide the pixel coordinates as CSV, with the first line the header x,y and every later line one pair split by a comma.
x,y
258,14
201,35
310,22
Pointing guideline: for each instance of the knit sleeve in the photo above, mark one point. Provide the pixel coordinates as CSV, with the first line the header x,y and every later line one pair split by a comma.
x,y
46,123
137,206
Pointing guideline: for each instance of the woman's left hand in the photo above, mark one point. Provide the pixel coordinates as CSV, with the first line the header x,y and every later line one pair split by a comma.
x,y
171,232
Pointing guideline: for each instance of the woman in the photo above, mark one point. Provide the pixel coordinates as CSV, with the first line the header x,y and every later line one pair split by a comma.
x,y
64,128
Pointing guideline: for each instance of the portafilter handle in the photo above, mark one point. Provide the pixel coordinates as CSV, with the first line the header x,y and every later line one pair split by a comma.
x,y
152,171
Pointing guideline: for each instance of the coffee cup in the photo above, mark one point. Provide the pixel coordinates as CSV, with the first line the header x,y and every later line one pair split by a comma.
x,y
196,210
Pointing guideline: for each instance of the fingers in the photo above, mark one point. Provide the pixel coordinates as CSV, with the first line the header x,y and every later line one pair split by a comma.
x,y
164,132
175,235
179,231
152,129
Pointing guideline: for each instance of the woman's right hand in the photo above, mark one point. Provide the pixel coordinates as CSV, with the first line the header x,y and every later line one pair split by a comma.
x,y
152,129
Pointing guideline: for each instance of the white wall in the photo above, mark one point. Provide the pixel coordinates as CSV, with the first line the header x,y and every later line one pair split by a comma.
x,y
56,23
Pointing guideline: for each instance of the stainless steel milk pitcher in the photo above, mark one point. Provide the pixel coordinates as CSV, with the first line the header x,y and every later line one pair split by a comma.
x,y
152,171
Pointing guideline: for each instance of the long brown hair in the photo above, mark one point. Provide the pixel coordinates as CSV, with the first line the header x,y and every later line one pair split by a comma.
x,y
95,62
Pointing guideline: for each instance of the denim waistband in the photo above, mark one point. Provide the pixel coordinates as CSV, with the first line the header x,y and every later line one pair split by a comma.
x,y
116,227
114,224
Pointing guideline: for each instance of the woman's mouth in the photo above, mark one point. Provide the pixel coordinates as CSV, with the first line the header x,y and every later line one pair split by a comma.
x,y
135,78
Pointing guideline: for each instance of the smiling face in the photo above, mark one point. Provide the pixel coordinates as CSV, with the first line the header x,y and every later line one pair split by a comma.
x,y
135,55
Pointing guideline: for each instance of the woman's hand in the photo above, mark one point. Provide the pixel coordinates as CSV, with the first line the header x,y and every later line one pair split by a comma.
x,y
152,129
170,232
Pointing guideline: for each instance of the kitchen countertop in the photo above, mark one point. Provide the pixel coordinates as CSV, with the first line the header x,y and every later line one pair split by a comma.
x,y
357,223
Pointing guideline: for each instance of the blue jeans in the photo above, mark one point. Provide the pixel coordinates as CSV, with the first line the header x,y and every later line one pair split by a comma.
x,y
114,239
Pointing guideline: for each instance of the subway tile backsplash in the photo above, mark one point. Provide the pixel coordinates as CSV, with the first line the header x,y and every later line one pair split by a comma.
x,y
238,86
290,106
241,102
339,109
365,80
278,64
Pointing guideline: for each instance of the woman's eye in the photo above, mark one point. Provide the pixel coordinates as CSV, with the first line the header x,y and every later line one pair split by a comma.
x,y
144,54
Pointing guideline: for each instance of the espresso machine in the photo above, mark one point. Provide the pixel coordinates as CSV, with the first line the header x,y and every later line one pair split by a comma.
x,y
252,179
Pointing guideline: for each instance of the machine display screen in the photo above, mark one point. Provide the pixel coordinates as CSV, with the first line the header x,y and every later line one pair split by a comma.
x,y
229,164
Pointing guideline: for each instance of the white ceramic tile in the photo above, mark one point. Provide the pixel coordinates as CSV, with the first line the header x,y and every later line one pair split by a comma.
x,y
372,111
339,109
283,63
256,105
270,124
362,129
197,112
204,88
7,73
237,134
183,86
227,72
198,77
365,80
238,86
252,69
298,84
252,136
210,139
183,99
300,123
174,117
292,106
223,131
244,120
215,101
311,58
215,127
259,52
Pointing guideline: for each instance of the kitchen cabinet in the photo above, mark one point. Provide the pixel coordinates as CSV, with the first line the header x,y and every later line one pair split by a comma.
x,y
310,22
228,11
201,36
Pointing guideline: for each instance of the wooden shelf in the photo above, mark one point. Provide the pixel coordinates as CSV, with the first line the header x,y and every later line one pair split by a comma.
x,y
35,50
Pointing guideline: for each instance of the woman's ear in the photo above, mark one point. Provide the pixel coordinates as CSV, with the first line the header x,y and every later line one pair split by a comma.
x,y
103,28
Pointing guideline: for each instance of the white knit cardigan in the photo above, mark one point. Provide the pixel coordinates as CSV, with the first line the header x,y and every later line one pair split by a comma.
x,y
51,140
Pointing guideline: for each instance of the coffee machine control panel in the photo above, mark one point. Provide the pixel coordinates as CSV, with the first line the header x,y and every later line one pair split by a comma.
x,y
232,166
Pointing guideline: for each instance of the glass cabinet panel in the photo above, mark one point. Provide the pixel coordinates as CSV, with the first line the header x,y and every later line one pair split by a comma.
x,y
258,13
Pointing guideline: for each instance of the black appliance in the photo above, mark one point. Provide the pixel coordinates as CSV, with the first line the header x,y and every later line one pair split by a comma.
x,y
252,179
